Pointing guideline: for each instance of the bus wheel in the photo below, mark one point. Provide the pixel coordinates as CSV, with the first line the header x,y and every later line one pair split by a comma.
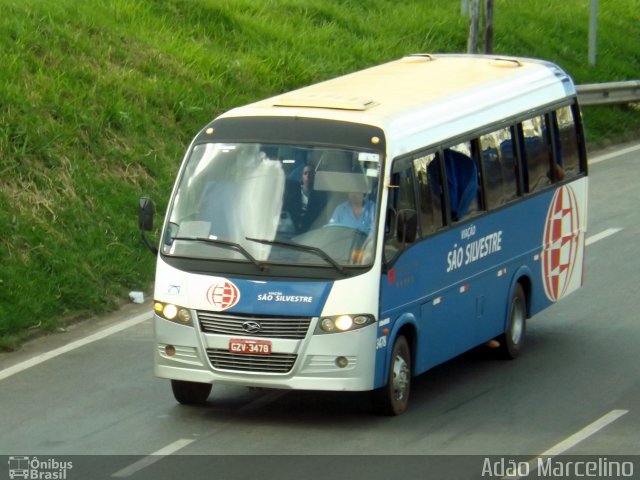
x,y
512,340
190,393
393,398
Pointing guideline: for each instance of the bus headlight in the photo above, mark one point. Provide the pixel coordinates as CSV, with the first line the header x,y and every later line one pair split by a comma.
x,y
174,313
343,323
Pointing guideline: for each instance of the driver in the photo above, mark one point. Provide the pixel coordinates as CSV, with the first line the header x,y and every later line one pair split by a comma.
x,y
357,212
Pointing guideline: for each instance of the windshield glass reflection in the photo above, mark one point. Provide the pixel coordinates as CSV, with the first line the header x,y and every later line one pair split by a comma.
x,y
279,204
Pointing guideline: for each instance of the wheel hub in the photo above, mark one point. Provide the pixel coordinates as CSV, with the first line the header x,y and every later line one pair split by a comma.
x,y
400,377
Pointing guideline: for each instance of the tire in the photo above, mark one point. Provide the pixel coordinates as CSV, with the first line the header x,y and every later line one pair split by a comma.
x,y
393,398
512,340
190,393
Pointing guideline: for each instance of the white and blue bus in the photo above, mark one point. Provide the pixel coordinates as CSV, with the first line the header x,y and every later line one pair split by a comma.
x,y
352,234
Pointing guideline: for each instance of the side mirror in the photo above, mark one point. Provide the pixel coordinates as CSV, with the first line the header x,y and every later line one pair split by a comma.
x,y
146,210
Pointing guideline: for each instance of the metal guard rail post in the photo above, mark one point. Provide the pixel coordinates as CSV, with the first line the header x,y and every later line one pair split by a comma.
x,y
609,93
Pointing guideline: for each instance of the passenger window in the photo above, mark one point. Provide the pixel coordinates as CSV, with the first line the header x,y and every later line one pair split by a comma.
x,y
498,167
401,227
462,181
568,157
430,193
537,153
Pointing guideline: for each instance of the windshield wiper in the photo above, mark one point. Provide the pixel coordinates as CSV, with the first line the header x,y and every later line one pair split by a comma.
x,y
305,248
224,243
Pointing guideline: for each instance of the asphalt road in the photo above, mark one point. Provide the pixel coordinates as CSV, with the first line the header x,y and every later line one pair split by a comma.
x,y
574,391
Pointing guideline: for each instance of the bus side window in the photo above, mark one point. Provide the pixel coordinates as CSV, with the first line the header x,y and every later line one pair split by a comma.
x,y
462,181
537,154
401,227
499,168
567,156
430,193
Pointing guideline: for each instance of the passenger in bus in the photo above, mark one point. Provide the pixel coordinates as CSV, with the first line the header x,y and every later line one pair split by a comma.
x,y
357,212
302,202
462,178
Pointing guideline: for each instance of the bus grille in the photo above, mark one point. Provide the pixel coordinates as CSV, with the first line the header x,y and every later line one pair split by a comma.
x,y
272,327
273,363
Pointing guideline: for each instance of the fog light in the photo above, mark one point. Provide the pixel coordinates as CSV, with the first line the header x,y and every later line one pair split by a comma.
x,y
170,350
342,362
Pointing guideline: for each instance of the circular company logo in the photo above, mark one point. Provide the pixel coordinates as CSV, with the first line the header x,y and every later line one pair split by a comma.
x,y
223,295
561,243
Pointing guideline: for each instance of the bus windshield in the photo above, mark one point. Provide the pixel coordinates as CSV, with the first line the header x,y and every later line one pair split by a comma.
x,y
275,204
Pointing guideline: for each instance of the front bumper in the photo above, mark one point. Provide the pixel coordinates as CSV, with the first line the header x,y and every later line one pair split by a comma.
x,y
313,359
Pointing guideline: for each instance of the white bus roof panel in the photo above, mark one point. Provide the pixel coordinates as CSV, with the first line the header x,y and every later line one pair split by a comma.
x,y
424,98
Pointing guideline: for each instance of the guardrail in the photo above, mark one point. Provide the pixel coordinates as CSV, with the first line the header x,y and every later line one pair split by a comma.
x,y
609,93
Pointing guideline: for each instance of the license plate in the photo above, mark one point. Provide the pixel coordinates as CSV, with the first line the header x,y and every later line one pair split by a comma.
x,y
255,347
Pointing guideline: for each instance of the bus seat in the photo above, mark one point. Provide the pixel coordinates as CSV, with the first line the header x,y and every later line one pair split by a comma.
x,y
462,178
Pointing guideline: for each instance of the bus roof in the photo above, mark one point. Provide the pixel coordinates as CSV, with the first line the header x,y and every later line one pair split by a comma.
x,y
423,98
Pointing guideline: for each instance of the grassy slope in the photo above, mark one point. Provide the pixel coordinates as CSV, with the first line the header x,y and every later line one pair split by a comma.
x,y
98,101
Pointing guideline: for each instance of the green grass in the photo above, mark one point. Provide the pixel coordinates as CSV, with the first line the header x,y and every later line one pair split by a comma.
x,y
98,101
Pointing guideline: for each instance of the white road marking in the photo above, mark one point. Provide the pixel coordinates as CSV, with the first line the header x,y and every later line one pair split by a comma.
x,y
153,458
585,433
183,442
617,153
32,362
573,440
602,235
